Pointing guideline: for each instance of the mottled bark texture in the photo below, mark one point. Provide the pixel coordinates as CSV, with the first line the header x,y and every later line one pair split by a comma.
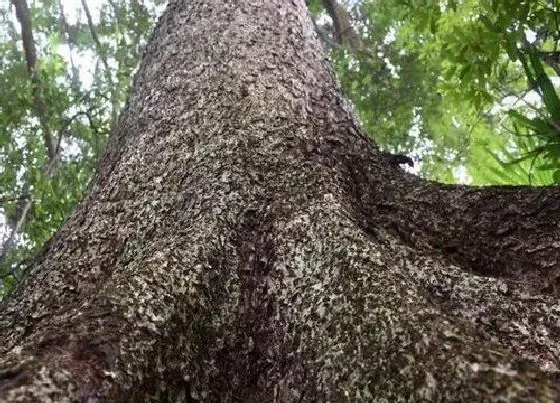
x,y
243,240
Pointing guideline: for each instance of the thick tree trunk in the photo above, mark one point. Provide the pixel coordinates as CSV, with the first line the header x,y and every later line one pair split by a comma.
x,y
244,241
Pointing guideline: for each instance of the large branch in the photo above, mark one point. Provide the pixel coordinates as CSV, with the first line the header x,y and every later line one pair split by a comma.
x,y
511,232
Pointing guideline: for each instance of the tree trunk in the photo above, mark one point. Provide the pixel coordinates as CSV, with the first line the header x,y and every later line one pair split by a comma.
x,y
243,240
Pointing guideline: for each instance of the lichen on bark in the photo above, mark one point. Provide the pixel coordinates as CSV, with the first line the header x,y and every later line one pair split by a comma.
x,y
243,240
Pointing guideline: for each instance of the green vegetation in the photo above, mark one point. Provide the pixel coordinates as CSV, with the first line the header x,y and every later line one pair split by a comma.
x,y
467,87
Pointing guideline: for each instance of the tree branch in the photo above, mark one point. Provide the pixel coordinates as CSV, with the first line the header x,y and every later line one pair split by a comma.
x,y
27,199
66,33
8,245
22,14
502,231
552,59
40,109
104,60
12,199
344,32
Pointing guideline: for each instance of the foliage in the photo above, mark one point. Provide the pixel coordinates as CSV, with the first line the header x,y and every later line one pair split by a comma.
x,y
489,63
446,83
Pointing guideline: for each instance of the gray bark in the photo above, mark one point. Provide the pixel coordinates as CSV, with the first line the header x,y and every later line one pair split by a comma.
x,y
243,240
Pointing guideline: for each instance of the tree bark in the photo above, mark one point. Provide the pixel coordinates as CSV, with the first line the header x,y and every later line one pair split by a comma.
x,y
243,240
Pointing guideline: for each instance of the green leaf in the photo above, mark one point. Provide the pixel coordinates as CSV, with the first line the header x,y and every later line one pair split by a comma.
x,y
488,23
550,97
537,124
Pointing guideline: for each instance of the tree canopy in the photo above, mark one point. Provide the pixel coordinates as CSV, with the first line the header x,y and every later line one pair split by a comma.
x,y
467,89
